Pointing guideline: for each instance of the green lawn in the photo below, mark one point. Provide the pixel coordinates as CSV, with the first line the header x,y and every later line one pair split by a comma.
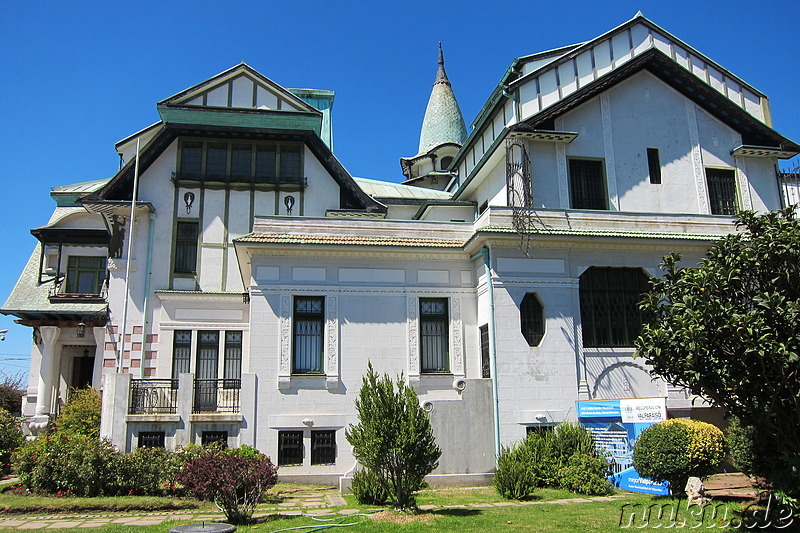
x,y
537,515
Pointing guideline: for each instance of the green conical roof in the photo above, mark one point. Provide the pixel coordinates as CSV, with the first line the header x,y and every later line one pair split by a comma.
x,y
443,122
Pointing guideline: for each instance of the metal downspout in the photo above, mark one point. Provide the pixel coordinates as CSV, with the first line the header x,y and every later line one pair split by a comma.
x,y
146,304
492,347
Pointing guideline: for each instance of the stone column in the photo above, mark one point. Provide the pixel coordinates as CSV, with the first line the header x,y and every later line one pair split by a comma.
x,y
99,353
183,433
44,398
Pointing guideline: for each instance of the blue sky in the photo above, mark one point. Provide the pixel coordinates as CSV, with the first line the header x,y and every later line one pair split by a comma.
x,y
75,77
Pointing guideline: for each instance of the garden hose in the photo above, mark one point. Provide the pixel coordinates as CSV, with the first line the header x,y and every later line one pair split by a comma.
x,y
321,527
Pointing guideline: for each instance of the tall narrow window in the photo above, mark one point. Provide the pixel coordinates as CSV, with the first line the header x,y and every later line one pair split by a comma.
x,y
241,162
309,319
610,305
654,165
265,163
232,364
290,164
722,191
434,339
290,448
205,388
587,184
181,354
191,160
186,248
323,447
216,162
85,274
531,316
486,369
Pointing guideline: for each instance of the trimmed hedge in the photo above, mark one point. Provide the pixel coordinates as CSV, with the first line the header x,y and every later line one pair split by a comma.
x,y
677,449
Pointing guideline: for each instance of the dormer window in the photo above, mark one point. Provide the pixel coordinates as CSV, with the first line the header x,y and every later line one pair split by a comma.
x,y
85,274
445,163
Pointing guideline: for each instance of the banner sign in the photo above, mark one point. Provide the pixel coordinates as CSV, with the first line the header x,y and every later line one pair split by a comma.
x,y
615,426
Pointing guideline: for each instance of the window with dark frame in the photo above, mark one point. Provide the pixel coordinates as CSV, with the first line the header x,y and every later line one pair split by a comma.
x,y
610,314
290,448
151,439
309,321
433,335
722,191
181,355
654,165
210,437
587,184
85,274
539,429
186,247
232,162
486,368
232,360
445,163
531,314
323,447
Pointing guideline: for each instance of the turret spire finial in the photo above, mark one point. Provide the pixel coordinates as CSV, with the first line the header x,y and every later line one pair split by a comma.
x,y
441,75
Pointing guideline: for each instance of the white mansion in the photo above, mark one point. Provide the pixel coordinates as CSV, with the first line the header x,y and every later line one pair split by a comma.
x,y
258,278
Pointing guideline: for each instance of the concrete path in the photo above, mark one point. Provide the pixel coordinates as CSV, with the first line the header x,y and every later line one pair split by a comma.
x,y
315,505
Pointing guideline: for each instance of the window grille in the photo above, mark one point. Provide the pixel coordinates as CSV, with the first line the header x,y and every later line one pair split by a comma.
x,y
232,364
532,319
722,191
186,248
323,447
610,312
290,448
587,184
309,319
151,439
434,339
209,437
486,369
205,397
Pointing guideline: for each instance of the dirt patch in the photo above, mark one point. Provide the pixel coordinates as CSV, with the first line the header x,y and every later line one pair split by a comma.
x,y
402,518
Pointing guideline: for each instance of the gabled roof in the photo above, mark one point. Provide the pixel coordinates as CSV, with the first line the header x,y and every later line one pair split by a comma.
x,y
551,83
187,96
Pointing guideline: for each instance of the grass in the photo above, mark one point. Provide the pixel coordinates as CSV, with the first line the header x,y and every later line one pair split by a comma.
x,y
537,515
41,505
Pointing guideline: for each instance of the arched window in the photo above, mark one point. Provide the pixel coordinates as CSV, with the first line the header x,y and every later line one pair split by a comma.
x,y
445,162
531,315
610,305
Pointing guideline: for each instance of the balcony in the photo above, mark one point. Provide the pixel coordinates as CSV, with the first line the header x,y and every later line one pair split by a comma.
x,y
153,396
217,395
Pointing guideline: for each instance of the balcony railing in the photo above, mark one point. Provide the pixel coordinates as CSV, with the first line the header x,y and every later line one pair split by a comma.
x,y
217,395
262,181
153,396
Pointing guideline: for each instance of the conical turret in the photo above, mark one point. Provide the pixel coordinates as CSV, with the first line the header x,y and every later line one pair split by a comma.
x,y
443,122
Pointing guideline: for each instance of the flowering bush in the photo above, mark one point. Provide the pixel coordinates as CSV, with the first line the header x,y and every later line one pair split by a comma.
x,y
235,481
677,449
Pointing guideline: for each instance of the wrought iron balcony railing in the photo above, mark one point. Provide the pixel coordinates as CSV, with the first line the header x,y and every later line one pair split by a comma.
x,y
217,395
153,396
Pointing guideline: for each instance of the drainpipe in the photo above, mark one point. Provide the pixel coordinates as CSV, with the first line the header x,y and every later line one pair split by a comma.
x,y
146,304
492,346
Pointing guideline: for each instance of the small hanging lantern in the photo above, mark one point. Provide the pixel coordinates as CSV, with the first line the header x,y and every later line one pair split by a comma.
x,y
80,331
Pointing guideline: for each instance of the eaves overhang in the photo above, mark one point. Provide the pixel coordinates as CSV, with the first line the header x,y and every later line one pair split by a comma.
x,y
72,236
241,118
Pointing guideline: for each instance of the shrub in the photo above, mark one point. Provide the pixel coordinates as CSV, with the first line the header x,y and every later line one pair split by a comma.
x,y
393,437
68,464
233,482
81,413
368,489
515,478
585,474
568,439
10,439
11,391
676,449
149,472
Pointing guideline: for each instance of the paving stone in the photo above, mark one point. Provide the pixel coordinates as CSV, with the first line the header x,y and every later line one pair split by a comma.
x,y
146,522
349,511
290,513
287,504
124,519
505,504
319,512
532,503
95,523
11,523
335,500
65,524
309,505
427,507
481,505
34,525
181,517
